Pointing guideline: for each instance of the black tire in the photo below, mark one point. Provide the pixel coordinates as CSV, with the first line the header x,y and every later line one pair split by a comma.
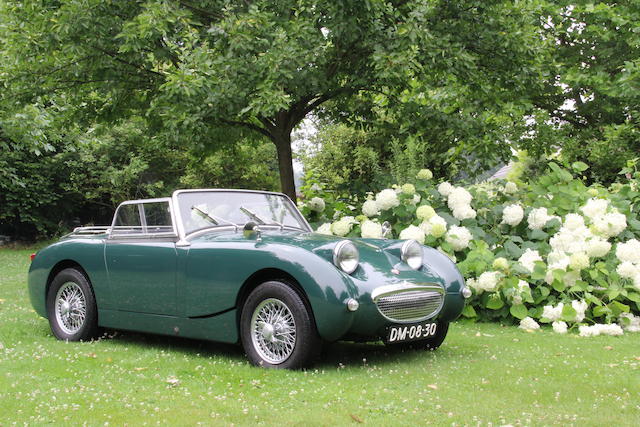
x,y
291,341
431,343
66,322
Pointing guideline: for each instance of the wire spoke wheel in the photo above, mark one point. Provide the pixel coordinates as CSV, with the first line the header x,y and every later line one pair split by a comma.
x,y
273,331
70,307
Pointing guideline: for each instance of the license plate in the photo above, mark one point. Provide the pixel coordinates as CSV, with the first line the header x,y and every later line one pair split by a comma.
x,y
418,331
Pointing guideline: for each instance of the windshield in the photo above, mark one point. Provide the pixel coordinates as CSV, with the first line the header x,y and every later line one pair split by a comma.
x,y
204,209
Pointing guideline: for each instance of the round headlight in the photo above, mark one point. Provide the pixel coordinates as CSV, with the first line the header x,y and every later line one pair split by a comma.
x,y
412,254
346,256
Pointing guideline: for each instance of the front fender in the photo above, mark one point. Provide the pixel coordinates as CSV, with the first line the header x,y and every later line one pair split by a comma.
x,y
436,262
214,276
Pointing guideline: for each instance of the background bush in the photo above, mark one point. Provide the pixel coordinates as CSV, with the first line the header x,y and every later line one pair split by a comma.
x,y
573,264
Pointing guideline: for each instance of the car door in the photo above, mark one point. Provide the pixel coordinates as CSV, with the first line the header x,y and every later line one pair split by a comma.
x,y
141,258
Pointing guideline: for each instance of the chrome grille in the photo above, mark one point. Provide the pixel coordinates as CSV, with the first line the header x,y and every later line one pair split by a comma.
x,y
410,305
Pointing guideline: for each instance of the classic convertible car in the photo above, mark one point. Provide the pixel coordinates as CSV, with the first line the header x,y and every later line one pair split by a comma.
x,y
243,266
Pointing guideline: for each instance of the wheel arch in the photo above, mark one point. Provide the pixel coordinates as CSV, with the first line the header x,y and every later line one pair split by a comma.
x,y
62,265
265,275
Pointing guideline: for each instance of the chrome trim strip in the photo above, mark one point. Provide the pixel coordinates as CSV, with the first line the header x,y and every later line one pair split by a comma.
x,y
178,217
139,202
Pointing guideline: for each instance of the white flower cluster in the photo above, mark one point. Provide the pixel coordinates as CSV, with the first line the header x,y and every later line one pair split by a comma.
x,y
595,207
436,226
458,237
413,232
610,225
444,188
629,322
343,226
597,247
605,224
425,212
572,236
425,174
408,189
512,215
459,201
600,329
500,263
488,281
528,324
528,259
370,208
538,218
628,253
580,307
316,204
559,327
325,229
553,314
387,199
371,229
572,246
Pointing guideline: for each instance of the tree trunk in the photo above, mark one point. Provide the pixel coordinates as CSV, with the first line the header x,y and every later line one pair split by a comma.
x,y
285,164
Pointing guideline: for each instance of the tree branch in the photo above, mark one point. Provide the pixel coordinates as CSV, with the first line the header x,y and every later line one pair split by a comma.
x,y
202,12
115,57
250,126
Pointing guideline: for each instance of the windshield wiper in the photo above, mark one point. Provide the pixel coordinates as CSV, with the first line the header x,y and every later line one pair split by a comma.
x,y
256,218
252,215
213,218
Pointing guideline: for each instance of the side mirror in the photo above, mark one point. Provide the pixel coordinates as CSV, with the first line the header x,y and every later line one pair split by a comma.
x,y
386,229
251,230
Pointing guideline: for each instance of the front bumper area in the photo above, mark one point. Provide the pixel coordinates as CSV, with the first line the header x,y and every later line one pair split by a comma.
x,y
403,303
407,302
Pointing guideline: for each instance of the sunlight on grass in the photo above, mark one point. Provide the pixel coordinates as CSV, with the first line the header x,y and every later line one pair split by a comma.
x,y
484,373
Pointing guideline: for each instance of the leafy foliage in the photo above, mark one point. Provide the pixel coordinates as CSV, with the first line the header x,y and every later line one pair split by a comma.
x,y
589,105
262,65
80,180
553,249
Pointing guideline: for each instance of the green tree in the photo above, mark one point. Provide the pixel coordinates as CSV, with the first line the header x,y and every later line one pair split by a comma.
x,y
346,159
261,65
588,107
461,118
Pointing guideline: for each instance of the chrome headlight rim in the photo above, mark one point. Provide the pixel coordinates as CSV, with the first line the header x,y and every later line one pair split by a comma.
x,y
338,253
411,254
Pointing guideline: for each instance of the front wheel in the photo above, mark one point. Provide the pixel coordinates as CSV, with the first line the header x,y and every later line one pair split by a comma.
x,y
71,307
430,343
276,328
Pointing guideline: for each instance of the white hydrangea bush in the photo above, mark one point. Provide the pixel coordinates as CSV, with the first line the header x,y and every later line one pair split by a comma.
x,y
552,252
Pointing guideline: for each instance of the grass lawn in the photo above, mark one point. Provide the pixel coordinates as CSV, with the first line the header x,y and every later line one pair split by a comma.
x,y
484,374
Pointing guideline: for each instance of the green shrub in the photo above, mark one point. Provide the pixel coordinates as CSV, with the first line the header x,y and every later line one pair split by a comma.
x,y
553,249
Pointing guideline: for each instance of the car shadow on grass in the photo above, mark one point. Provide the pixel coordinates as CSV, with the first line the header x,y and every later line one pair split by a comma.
x,y
349,354
176,344
337,354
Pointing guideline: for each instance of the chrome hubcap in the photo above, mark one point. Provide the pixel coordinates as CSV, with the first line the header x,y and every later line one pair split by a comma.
x,y
273,331
70,308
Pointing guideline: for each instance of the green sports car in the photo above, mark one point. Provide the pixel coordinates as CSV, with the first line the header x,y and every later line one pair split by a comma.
x,y
240,266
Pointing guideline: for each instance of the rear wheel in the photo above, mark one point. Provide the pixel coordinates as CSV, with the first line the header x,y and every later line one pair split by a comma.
x,y
71,307
430,343
277,330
